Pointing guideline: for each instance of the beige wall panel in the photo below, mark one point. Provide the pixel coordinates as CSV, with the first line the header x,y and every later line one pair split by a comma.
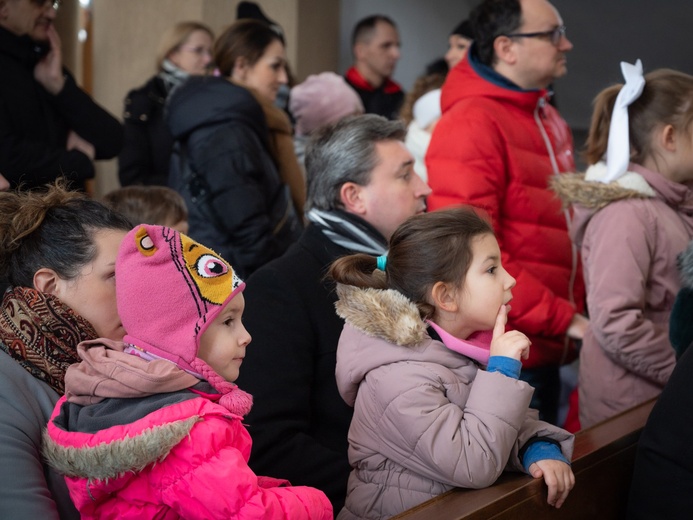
x,y
318,37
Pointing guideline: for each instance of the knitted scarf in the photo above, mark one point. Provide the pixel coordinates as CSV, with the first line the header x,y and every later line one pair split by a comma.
x,y
349,231
171,75
41,333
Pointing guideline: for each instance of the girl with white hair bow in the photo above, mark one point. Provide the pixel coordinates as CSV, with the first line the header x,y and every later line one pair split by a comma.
x,y
633,214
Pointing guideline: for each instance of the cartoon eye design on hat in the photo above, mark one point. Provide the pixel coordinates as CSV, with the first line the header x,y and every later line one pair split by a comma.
x,y
212,275
209,266
144,242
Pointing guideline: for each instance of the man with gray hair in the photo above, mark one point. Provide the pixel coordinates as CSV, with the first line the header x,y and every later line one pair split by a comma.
x,y
361,187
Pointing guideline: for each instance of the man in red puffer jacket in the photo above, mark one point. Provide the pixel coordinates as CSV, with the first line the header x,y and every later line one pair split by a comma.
x,y
497,145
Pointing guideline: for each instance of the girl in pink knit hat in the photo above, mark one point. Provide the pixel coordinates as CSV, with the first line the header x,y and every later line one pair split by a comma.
x,y
151,427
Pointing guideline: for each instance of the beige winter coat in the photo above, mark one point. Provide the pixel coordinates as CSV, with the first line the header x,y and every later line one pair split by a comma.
x,y
630,233
426,419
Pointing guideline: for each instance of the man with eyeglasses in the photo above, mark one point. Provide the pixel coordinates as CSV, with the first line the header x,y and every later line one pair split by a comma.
x,y
497,145
49,127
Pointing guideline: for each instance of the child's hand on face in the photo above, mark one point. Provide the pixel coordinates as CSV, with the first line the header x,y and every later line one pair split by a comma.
x,y
512,344
559,479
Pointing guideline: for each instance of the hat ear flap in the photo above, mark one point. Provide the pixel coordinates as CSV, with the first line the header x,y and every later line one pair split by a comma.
x,y
144,242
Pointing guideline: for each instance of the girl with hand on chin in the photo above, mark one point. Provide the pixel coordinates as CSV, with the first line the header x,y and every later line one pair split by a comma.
x,y
432,374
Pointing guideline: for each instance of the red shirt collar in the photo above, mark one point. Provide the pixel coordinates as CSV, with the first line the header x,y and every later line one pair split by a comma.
x,y
354,77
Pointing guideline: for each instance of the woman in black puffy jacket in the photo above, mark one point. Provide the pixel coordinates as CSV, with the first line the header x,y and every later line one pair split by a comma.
x,y
223,167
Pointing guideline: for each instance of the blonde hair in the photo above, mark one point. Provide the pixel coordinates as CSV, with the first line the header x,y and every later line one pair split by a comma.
x,y
176,36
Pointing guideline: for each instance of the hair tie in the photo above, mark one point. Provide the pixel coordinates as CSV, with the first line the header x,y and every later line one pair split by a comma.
x,y
618,147
382,262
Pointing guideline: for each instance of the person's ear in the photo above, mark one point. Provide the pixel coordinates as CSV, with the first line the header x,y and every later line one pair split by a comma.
x,y
667,138
47,281
504,49
444,297
240,69
357,50
351,196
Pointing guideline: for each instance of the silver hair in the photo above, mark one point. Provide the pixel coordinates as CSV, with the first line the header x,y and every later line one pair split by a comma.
x,y
345,152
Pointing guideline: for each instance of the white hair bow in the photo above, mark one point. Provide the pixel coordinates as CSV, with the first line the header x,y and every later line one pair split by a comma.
x,y
618,148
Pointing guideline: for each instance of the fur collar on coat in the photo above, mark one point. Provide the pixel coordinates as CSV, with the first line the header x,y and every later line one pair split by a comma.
x,y
586,189
384,314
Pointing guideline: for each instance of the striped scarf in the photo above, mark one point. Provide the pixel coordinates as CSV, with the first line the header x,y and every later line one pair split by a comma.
x,y
349,231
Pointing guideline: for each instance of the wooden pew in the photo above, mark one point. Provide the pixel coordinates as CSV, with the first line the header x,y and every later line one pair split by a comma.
x,y
602,463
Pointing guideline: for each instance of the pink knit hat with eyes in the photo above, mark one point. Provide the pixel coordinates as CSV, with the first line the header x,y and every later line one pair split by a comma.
x,y
322,99
169,288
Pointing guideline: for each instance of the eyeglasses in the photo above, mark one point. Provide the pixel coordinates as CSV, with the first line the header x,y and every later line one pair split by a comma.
x,y
55,4
554,35
200,51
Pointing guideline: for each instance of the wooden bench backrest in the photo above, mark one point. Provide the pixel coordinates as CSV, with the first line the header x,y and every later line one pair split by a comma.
x,y
602,463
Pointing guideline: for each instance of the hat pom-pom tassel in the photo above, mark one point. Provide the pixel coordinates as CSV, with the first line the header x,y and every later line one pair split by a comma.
x,y
237,401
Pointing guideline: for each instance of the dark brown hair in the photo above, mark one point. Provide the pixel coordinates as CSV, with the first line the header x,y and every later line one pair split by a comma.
x,y
148,204
428,248
666,99
54,228
246,38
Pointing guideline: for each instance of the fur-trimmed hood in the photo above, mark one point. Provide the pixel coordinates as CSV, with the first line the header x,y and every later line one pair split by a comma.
x,y
587,190
383,327
587,194
385,314
111,452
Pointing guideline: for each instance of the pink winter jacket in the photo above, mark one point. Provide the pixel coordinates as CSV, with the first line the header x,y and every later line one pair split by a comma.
x,y
426,419
630,233
186,458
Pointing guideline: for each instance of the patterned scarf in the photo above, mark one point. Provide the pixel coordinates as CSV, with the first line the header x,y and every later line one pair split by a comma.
x,y
349,231
41,333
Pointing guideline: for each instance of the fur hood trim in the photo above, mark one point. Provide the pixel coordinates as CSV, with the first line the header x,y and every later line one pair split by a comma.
x,y
381,313
588,191
113,459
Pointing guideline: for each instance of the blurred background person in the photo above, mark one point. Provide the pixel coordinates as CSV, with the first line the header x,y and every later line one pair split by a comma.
x,y
159,205
185,49
421,111
224,162
459,42
376,48
49,127
252,55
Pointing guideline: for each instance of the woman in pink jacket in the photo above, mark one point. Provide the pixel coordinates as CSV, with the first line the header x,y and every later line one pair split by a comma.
x,y
151,427
633,214
432,375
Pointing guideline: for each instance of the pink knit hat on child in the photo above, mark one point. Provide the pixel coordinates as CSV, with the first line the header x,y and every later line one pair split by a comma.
x,y
322,99
169,288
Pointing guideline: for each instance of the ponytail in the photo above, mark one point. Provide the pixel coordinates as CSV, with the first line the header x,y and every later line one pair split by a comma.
x,y
598,138
359,270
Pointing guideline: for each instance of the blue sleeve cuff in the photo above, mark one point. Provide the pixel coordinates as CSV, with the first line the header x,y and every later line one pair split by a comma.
x,y
542,450
509,367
